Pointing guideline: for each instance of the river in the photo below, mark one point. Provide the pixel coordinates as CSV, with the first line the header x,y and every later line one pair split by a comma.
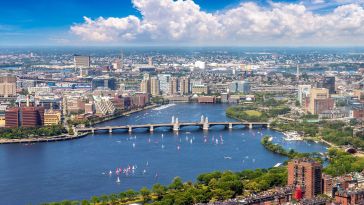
x,y
79,169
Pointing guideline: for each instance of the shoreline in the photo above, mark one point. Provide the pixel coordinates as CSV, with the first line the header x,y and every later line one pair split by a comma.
x,y
67,137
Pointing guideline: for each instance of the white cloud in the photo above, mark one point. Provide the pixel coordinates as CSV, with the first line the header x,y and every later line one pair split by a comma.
x,y
169,21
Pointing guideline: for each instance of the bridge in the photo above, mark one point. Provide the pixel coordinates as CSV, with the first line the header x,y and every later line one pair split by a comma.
x,y
175,125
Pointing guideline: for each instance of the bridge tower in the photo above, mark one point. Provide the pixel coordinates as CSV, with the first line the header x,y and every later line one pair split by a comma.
x,y
250,125
205,125
202,119
230,126
173,119
151,128
176,125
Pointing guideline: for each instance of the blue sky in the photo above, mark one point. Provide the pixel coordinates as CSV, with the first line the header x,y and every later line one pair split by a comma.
x,y
48,22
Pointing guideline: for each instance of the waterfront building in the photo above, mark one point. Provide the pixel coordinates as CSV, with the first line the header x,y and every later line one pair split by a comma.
x,y
154,86
145,86
306,175
200,89
184,85
103,105
173,86
52,117
303,93
206,99
104,82
359,94
7,86
164,80
24,117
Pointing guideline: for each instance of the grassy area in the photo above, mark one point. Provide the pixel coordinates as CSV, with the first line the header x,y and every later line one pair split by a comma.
x,y
253,113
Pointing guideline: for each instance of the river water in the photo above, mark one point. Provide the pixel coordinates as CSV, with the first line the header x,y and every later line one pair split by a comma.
x,y
79,169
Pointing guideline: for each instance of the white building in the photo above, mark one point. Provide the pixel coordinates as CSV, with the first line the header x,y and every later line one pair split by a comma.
x,y
200,64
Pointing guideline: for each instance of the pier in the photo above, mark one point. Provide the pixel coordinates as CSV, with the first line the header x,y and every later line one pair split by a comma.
x,y
174,125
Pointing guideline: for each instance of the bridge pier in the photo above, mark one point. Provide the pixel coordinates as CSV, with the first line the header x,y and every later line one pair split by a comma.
x,y
230,126
175,127
93,131
151,128
250,125
110,130
268,125
205,126
130,129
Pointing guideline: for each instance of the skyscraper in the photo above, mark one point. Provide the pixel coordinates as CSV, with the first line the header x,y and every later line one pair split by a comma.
x,y
164,80
82,63
145,86
154,86
184,85
305,175
173,86
319,101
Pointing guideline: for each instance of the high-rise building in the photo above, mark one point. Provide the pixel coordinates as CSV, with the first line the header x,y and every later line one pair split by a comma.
x,y
82,63
303,93
145,86
7,86
305,175
154,86
184,85
164,80
319,101
328,83
239,86
104,82
173,86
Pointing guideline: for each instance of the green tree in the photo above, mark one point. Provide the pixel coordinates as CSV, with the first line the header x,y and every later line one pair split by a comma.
x,y
145,194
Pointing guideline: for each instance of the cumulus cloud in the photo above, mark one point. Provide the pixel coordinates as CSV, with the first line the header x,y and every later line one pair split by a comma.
x,y
183,21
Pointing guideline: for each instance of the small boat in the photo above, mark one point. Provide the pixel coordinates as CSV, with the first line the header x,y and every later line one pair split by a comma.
x,y
227,157
110,172
278,164
118,180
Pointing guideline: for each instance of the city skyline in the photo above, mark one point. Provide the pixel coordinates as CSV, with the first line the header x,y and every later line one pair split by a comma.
x,y
183,23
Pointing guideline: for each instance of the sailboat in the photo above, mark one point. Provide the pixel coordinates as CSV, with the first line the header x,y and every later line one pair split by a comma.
x,y
118,180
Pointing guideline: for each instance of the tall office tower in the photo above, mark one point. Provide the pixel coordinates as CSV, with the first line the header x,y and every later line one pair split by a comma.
x,y
173,86
298,73
145,86
164,82
319,101
305,175
83,63
303,93
7,86
184,85
243,87
118,63
328,83
154,86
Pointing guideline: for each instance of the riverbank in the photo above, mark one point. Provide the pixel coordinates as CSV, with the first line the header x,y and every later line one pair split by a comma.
x,y
42,139
66,137
126,113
